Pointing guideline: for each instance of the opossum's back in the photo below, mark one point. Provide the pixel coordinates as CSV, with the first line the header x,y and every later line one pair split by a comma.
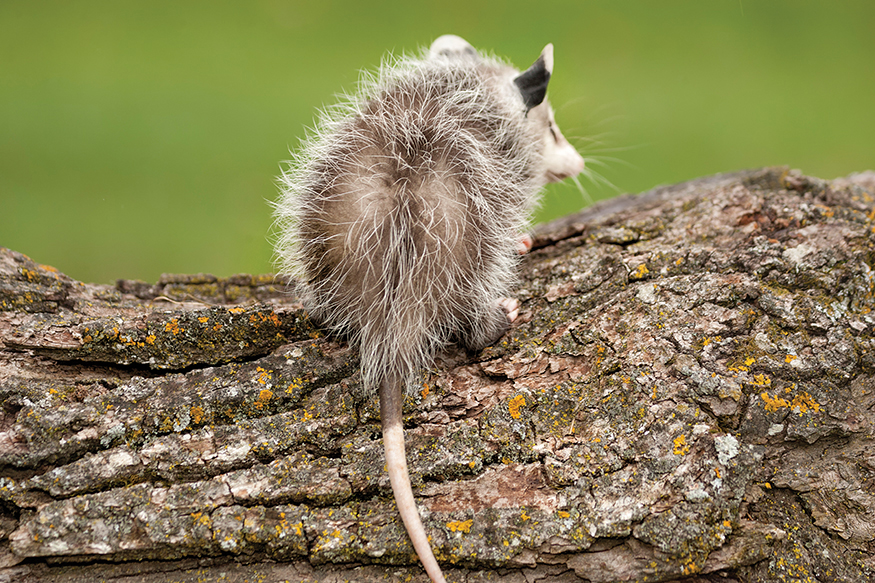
x,y
382,236
418,196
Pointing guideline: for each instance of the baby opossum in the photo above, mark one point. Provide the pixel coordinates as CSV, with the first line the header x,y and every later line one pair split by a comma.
x,y
401,217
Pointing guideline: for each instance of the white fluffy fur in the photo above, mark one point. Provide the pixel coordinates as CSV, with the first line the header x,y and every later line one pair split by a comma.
x,y
411,299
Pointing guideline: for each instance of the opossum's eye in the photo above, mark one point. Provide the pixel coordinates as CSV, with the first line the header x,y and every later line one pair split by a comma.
x,y
552,131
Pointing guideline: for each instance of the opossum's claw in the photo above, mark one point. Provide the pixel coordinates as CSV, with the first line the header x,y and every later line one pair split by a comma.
x,y
511,307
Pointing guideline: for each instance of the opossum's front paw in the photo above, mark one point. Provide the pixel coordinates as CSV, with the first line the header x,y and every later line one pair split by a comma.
x,y
495,323
511,307
524,244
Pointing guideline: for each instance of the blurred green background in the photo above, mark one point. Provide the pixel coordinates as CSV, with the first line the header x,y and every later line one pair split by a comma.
x,y
145,137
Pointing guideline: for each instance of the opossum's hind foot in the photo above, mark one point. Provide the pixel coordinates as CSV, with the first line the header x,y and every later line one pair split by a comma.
x,y
493,326
524,244
311,309
319,320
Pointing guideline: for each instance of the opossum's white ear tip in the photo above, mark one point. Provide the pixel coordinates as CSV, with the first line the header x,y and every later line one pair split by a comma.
x,y
450,45
547,55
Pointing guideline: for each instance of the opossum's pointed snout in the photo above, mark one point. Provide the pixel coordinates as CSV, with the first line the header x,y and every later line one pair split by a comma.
x,y
567,163
561,159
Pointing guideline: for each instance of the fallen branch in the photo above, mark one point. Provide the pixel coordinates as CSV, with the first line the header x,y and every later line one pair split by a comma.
x,y
690,391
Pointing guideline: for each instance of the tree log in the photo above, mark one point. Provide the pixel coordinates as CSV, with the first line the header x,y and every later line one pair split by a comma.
x,y
689,394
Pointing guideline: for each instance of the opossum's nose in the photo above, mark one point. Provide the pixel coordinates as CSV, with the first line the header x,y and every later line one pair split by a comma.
x,y
565,165
580,164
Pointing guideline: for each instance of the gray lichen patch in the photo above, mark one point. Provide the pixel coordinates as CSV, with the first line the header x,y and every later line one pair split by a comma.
x,y
168,340
139,411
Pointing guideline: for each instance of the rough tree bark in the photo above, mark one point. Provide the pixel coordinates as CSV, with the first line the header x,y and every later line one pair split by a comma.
x,y
689,395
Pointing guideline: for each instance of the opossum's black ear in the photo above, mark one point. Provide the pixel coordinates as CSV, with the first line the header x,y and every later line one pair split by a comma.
x,y
451,46
532,82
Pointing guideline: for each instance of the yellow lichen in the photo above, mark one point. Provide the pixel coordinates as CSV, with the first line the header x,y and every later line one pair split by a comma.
x,y
690,567
461,526
263,376
202,518
515,404
743,367
255,319
264,398
296,383
761,380
801,403
773,403
681,447
827,211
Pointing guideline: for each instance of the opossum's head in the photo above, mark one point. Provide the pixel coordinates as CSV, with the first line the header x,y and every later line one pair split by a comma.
x,y
560,159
